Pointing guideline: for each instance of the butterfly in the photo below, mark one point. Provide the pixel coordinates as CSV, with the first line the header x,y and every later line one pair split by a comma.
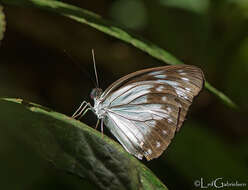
x,y
144,109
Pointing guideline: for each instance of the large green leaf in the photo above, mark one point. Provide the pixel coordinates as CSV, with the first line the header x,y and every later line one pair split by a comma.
x,y
75,147
95,21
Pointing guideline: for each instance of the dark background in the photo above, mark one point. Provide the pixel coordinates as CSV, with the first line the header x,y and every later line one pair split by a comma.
x,y
208,33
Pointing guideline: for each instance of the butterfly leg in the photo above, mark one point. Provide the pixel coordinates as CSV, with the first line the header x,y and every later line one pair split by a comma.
x,y
83,111
102,127
97,123
80,107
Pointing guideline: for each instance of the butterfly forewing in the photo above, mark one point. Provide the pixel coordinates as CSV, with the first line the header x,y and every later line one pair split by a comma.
x,y
144,109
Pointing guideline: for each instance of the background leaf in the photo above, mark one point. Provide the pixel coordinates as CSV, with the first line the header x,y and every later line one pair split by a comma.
x,y
95,21
72,146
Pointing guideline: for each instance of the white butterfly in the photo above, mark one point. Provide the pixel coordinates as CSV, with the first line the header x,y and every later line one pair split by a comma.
x,y
145,108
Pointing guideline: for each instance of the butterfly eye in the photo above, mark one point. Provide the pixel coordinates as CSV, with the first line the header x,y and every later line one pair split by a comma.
x,y
95,93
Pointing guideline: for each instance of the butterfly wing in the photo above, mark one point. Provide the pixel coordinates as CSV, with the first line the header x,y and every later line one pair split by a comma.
x,y
145,108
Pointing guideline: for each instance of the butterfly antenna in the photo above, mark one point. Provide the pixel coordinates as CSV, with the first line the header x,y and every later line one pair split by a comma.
x,y
94,61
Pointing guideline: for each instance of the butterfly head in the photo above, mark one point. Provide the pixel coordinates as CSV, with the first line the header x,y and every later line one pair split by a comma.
x,y
95,93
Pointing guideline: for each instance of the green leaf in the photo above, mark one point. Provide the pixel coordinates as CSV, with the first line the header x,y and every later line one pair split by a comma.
x,y
75,147
95,21
2,23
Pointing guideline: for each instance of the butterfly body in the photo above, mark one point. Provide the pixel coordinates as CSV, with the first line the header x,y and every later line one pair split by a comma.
x,y
144,109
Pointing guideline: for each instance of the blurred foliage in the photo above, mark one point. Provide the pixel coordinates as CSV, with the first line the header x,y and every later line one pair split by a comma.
x,y
2,23
194,6
103,25
137,17
213,141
